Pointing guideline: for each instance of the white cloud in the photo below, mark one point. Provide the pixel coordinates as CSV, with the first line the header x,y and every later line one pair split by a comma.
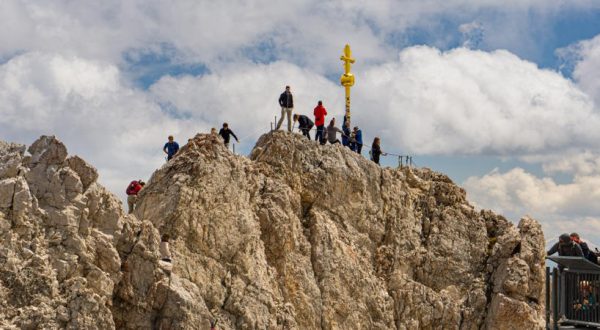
x,y
588,66
560,207
246,97
117,129
212,31
473,102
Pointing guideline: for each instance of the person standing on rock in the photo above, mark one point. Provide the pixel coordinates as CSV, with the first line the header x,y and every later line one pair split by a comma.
x,y
226,134
320,112
286,101
170,148
332,131
132,191
304,123
346,133
376,150
566,247
356,140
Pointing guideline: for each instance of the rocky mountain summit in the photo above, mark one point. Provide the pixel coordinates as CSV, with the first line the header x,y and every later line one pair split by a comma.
x,y
296,236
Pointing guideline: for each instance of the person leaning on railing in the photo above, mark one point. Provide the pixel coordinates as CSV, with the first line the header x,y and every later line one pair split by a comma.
x,y
566,247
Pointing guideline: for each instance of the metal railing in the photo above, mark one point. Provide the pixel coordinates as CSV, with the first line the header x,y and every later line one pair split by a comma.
x,y
572,293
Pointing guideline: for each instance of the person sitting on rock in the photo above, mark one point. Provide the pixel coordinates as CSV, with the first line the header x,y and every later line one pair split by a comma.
x,y
132,191
171,148
304,123
589,255
566,247
376,150
165,252
332,131
226,134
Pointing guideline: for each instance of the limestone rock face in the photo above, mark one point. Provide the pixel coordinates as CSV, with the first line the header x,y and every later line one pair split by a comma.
x,y
297,236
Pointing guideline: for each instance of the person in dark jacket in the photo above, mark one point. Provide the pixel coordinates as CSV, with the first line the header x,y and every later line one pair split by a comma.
x,y
286,101
346,133
376,150
304,123
225,133
356,141
566,247
589,255
320,112
171,148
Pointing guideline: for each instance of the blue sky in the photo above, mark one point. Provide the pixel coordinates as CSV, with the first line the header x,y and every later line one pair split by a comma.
x,y
500,95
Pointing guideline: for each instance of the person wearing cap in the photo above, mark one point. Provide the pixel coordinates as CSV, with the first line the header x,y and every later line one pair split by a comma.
x,y
286,101
171,148
584,248
566,247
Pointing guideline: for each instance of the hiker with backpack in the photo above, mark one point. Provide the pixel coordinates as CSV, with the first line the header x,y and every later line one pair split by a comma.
x,y
320,112
132,191
226,134
332,131
171,148
304,124
286,101
376,150
566,247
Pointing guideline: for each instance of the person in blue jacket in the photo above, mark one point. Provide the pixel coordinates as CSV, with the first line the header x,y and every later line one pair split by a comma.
x,y
356,141
171,148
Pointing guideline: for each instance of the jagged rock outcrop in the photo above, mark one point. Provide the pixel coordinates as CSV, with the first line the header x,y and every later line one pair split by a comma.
x,y
297,236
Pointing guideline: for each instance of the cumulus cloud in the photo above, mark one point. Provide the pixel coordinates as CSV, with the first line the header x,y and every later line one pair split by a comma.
x,y
560,207
210,32
473,102
87,105
246,96
586,70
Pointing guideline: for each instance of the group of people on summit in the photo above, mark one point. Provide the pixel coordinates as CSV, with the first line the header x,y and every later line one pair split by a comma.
x,y
351,139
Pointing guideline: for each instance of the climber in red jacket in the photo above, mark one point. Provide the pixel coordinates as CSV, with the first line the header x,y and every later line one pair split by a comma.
x,y
320,112
132,191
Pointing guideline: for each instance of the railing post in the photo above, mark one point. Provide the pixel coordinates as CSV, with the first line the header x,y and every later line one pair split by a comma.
x,y
233,144
555,298
547,298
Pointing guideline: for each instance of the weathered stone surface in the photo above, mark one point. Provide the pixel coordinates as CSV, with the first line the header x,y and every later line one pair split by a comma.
x,y
297,236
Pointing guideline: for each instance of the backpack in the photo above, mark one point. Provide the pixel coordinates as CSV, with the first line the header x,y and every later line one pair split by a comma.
x,y
131,188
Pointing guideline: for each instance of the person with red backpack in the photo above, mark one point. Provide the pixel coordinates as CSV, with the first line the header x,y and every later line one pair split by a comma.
x,y
132,191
